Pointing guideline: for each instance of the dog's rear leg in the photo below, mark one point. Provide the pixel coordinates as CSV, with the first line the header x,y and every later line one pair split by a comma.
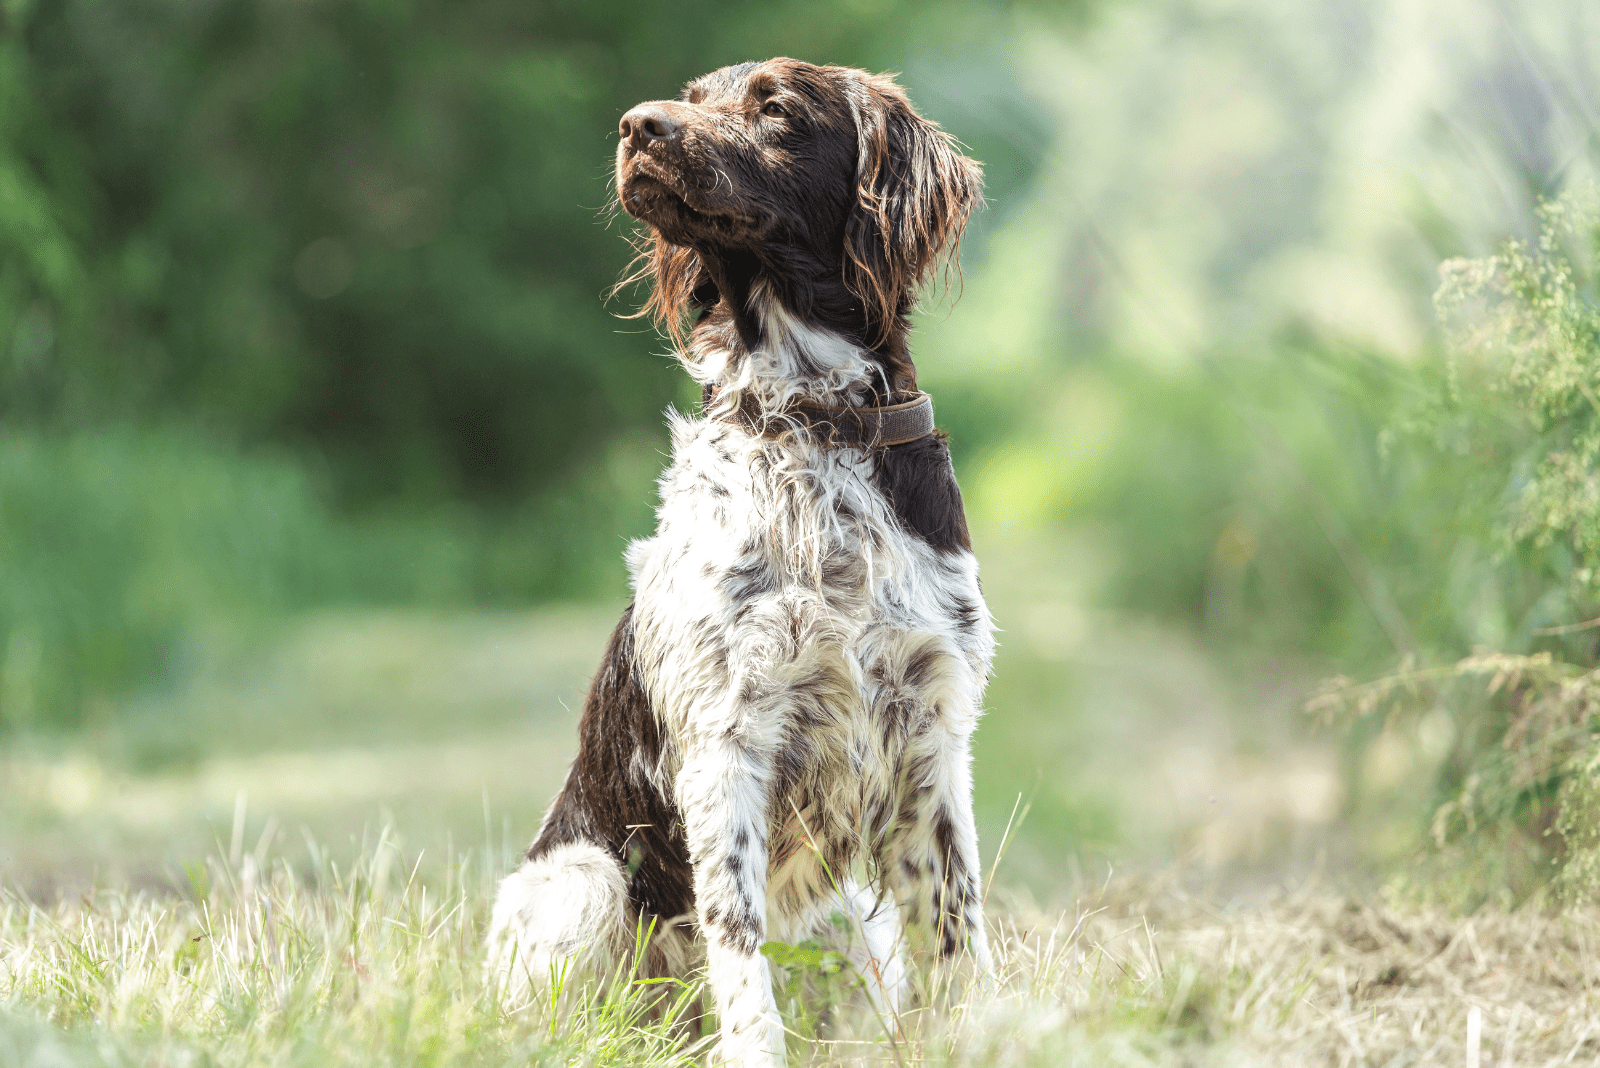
x,y
875,949
722,792
560,919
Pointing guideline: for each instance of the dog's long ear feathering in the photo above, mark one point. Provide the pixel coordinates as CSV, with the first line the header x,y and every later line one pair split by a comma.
x,y
678,281
914,193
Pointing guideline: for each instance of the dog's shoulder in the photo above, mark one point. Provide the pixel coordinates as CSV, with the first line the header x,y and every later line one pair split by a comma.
x,y
920,483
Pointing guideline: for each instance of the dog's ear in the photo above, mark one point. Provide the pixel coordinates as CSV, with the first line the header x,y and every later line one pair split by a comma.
x,y
914,192
679,284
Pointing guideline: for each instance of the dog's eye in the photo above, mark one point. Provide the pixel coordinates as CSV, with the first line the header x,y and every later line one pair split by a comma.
x,y
774,110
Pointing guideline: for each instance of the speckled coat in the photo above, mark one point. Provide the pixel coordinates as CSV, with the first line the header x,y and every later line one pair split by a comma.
x,y
781,726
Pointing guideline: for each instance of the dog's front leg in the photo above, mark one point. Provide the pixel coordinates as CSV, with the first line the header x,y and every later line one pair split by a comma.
x,y
723,793
931,862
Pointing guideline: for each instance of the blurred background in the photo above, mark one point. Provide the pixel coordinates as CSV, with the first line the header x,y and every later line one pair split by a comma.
x,y
320,441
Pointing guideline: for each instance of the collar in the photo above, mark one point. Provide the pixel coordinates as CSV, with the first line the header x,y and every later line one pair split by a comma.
x,y
889,424
882,426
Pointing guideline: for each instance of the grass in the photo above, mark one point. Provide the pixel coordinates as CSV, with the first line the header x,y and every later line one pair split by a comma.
x,y
264,963
307,960
1128,740
307,941
339,722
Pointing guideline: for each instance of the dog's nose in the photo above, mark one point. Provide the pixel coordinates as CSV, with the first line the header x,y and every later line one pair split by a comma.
x,y
647,124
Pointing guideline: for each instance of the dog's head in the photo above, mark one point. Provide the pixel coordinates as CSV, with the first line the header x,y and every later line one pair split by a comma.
x,y
821,182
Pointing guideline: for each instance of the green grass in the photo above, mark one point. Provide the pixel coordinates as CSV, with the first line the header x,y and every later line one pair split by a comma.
x,y
318,963
307,959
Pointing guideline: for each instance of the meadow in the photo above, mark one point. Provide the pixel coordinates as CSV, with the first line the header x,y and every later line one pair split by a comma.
x,y
289,860
317,961
1272,376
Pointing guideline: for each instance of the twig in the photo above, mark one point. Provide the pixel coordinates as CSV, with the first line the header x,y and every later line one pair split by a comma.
x,y
1569,628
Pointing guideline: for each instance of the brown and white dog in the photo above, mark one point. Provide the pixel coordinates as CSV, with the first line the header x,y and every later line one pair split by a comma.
x,y
780,728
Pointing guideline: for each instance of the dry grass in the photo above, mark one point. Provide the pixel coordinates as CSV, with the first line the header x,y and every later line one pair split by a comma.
x,y
1315,980
323,964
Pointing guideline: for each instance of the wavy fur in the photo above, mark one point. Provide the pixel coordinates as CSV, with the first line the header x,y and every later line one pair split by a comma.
x,y
781,724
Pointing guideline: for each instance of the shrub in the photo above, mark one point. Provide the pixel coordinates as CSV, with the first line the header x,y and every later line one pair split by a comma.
x,y
118,548
1518,414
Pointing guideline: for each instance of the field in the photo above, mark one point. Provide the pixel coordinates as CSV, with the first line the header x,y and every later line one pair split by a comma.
x,y
1271,372
316,962
286,857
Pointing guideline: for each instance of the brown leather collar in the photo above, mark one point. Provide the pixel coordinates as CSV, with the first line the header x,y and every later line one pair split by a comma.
x,y
890,424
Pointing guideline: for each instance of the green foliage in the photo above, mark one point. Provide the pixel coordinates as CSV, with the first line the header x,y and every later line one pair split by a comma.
x,y
117,544
304,303
1249,494
120,547
813,981
1528,323
373,228
1519,408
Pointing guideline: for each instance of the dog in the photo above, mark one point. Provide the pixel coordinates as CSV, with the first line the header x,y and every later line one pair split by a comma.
x,y
780,729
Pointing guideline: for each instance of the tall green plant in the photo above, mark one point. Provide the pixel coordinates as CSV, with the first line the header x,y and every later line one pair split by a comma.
x,y
1520,405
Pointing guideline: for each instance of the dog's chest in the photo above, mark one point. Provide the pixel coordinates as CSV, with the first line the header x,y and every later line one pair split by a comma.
x,y
779,593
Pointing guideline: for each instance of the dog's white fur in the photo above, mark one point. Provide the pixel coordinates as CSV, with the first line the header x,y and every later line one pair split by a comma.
x,y
568,908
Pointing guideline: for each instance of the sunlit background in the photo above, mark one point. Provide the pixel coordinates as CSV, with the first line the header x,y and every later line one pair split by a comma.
x,y
320,441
